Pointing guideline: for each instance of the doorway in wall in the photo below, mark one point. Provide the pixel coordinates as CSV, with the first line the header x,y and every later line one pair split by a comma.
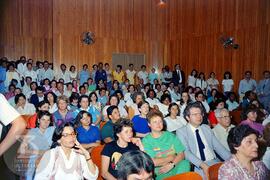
x,y
125,59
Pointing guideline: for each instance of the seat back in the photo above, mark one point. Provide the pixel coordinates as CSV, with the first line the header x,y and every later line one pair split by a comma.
x,y
184,176
213,171
102,123
96,157
131,113
236,116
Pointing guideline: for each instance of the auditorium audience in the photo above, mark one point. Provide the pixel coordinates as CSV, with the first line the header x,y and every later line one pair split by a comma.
x,y
242,141
65,94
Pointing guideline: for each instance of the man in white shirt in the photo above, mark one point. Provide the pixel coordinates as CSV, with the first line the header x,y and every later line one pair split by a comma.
x,y
142,74
30,72
199,96
47,72
130,74
63,74
221,130
246,84
9,115
22,66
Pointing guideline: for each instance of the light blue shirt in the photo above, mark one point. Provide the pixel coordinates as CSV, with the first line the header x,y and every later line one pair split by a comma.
x,y
2,79
84,75
245,86
152,77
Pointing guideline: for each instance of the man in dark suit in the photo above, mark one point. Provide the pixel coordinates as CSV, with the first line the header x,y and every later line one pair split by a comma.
x,y
39,96
178,77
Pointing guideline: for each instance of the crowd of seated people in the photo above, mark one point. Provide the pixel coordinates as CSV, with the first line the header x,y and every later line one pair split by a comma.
x,y
183,123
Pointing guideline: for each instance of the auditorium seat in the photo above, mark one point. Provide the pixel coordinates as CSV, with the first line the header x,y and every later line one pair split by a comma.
x,y
213,171
184,176
96,157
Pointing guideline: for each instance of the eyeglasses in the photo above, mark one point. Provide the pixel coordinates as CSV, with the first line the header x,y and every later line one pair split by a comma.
x,y
196,114
227,117
73,134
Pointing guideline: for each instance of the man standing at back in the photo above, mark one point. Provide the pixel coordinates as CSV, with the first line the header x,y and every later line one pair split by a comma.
x,y
200,141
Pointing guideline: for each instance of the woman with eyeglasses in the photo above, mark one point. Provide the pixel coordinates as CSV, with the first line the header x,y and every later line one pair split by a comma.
x,y
68,159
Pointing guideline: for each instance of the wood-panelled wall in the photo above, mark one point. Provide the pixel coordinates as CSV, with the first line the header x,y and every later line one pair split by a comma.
x,y
184,31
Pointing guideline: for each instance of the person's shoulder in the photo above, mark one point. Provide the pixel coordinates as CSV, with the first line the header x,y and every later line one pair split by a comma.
x,y
168,134
136,117
110,145
205,127
94,128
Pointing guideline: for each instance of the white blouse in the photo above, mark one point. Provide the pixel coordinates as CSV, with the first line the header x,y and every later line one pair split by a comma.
x,y
174,124
55,165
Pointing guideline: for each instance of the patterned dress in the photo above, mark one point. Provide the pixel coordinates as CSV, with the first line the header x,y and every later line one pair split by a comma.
x,y
233,170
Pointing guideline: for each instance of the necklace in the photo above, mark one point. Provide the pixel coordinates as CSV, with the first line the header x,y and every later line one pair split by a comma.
x,y
246,172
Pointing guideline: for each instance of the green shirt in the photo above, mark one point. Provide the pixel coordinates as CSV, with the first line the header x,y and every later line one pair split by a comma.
x,y
166,144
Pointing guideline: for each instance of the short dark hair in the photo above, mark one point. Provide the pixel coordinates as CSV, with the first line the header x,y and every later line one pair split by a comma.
x,y
151,90
16,99
198,93
110,110
58,133
53,94
165,96
81,97
142,103
198,105
73,96
92,93
133,162
40,114
170,107
237,134
118,127
40,88
41,103
80,116
229,73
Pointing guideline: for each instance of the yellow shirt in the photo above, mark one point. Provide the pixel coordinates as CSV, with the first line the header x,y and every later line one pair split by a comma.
x,y
118,76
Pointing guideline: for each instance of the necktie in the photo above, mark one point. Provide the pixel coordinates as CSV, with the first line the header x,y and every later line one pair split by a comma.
x,y
201,145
